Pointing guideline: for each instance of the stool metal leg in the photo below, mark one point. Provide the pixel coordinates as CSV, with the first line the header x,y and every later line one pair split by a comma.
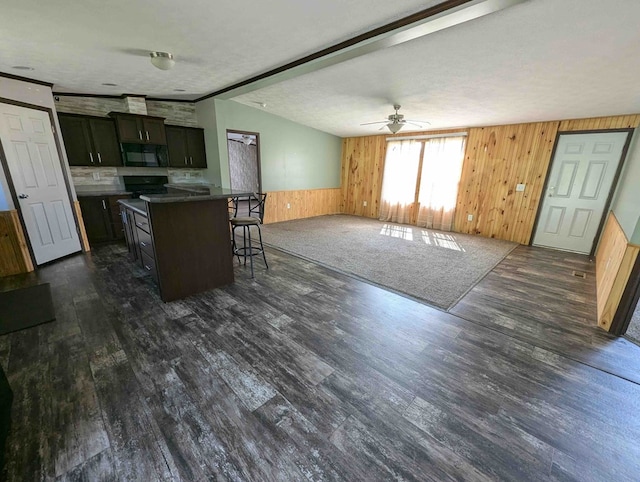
x,y
262,246
250,252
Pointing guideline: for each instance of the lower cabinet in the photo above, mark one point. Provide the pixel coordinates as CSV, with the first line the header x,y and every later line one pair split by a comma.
x,y
137,232
101,218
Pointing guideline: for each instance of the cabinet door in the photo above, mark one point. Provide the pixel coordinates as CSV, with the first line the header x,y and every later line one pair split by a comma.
x,y
154,132
105,142
117,227
195,147
127,223
130,129
97,222
177,146
77,141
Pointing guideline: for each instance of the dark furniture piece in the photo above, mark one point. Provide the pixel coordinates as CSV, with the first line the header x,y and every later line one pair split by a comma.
x,y
139,129
254,216
101,217
90,141
181,240
6,400
186,147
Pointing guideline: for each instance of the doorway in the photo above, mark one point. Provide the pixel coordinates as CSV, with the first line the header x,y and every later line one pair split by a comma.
x,y
579,188
34,171
244,161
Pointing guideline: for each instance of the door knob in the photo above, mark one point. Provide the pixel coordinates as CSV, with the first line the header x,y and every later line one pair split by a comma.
x,y
23,196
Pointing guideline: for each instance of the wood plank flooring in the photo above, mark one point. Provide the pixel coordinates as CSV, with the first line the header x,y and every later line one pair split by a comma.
x,y
300,374
534,296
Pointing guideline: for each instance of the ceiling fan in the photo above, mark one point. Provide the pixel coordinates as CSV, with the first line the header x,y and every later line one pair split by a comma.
x,y
396,121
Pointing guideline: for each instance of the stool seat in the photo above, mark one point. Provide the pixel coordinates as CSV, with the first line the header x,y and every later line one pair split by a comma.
x,y
244,221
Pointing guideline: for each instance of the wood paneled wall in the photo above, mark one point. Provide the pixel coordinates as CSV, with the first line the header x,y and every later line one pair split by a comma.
x,y
304,204
14,254
615,259
496,159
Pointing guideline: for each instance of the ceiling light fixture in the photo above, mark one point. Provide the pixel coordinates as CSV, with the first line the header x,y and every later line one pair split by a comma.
x,y
179,90
22,67
110,84
394,127
162,60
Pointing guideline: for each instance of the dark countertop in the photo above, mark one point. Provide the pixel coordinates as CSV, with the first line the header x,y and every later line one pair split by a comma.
x,y
135,204
100,191
193,193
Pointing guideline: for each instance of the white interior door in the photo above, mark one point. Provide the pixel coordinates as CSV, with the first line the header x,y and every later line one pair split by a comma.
x,y
34,164
581,177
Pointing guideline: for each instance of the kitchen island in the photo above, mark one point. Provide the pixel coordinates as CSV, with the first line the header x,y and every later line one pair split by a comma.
x,y
182,239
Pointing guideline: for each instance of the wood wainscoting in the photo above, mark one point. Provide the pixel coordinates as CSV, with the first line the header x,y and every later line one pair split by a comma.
x,y
14,253
615,259
303,204
496,160
84,241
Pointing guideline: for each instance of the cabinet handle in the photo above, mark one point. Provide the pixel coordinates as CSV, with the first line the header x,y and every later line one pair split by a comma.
x,y
104,206
191,159
140,134
148,268
140,225
91,157
99,158
143,244
185,160
147,132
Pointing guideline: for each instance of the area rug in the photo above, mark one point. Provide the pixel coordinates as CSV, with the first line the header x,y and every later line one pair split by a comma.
x,y
25,307
434,266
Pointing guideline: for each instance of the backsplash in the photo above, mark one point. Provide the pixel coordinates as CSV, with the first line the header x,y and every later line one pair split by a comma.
x,y
176,113
111,177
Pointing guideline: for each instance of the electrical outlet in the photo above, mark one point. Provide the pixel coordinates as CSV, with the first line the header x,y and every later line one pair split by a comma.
x,y
96,176
469,217
187,175
288,205
519,187
364,204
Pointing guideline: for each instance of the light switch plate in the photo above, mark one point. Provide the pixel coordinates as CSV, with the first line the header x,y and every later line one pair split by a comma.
x,y
469,217
519,187
187,175
96,176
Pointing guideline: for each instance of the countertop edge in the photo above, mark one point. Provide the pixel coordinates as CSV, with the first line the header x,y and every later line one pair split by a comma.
x,y
133,204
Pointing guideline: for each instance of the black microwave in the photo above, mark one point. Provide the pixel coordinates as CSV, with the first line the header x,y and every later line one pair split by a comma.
x,y
144,155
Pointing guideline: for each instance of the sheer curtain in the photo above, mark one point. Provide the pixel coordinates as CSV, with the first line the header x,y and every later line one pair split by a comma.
x,y
399,180
441,169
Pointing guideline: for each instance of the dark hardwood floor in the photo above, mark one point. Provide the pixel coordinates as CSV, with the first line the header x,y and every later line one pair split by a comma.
x,y
534,296
306,374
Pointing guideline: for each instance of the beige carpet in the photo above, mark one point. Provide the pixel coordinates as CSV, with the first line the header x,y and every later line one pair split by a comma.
x,y
434,266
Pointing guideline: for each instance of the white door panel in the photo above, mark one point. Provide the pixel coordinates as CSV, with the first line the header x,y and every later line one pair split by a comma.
x,y
580,180
32,157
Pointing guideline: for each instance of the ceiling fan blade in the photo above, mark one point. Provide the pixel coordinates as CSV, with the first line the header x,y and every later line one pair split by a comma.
x,y
418,121
378,122
382,127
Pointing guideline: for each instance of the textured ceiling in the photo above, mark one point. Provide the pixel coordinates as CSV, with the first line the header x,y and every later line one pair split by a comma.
x,y
540,60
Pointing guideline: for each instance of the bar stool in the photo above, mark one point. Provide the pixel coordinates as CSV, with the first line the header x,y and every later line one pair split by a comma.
x,y
255,204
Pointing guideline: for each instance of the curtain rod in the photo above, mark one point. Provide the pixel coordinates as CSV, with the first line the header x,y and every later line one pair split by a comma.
x,y
427,136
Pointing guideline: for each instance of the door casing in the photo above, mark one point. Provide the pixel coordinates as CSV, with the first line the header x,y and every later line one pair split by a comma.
x,y
65,176
614,184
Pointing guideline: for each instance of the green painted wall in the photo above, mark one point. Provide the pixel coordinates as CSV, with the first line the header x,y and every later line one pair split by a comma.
x,y
292,156
626,203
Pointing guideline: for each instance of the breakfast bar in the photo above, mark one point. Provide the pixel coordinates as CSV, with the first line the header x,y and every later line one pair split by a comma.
x,y
181,238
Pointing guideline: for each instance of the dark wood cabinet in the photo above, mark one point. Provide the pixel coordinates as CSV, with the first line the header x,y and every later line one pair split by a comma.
x,y
90,141
139,129
186,147
101,216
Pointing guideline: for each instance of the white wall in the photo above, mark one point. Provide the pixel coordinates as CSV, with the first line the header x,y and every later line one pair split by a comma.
x,y
626,202
34,94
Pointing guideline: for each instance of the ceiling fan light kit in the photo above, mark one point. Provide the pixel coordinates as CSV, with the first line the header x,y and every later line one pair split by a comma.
x,y
396,121
162,60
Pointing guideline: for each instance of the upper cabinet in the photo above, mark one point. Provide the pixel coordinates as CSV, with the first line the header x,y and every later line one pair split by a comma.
x,y
140,129
186,147
90,141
